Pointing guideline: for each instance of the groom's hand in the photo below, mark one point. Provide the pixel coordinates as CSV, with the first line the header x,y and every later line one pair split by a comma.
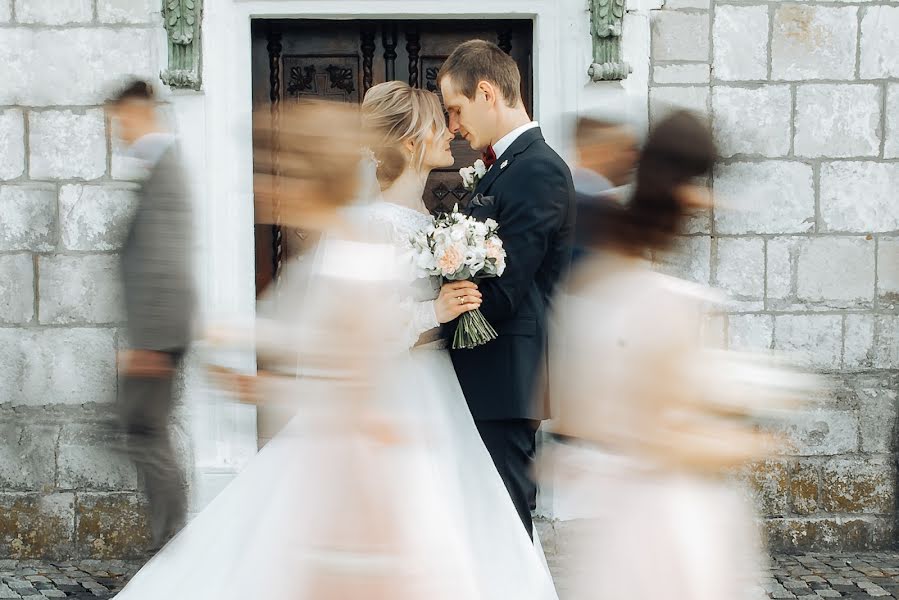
x,y
456,298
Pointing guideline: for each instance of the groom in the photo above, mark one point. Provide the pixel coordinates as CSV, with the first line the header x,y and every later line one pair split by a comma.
x,y
529,192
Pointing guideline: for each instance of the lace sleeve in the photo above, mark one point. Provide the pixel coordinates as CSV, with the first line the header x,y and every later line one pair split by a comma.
x,y
421,318
395,225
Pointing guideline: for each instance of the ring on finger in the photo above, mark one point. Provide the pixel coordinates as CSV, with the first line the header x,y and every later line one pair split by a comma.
x,y
461,299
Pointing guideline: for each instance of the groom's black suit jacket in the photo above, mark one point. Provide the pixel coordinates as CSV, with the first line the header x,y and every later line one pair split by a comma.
x,y
529,192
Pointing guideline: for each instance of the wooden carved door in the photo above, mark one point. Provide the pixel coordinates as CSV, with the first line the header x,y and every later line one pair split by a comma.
x,y
341,60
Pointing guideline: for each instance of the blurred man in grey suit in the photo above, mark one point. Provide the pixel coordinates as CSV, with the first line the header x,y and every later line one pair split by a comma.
x,y
159,302
607,152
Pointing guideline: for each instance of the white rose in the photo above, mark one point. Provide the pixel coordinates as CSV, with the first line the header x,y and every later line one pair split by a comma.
x,y
480,168
467,174
491,224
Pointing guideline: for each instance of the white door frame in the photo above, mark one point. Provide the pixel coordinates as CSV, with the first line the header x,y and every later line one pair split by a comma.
x,y
228,235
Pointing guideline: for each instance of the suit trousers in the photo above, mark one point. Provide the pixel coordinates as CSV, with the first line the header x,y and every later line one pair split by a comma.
x,y
145,407
512,445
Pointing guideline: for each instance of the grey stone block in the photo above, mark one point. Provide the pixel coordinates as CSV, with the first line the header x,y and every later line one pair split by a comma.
x,y
837,120
27,456
824,432
54,12
111,525
663,100
72,55
689,259
94,217
858,342
16,58
750,332
810,340
12,143
680,35
741,268
836,271
64,144
782,257
878,411
886,348
891,145
57,366
36,525
814,42
767,197
16,288
888,271
858,485
805,492
679,4
5,10
859,196
690,73
80,289
91,456
752,120
768,486
29,217
128,11
741,42
880,42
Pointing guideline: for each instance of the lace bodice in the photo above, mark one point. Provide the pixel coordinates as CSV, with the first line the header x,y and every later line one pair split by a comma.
x,y
397,224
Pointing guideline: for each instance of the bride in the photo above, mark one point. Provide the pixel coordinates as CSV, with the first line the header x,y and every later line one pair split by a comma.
x,y
411,139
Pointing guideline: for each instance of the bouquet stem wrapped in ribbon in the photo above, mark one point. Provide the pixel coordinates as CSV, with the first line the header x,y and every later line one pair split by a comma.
x,y
458,248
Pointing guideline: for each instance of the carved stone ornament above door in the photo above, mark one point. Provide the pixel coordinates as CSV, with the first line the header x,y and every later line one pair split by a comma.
x,y
606,21
182,20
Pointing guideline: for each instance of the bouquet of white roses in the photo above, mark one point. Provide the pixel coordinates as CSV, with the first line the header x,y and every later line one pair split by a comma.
x,y
457,248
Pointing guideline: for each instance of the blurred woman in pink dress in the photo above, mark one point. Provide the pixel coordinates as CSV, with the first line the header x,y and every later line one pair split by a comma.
x,y
655,418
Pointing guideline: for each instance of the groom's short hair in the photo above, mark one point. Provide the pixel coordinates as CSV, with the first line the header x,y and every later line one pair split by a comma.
x,y
477,60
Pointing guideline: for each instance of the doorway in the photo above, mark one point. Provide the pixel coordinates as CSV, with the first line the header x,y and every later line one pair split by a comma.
x,y
294,59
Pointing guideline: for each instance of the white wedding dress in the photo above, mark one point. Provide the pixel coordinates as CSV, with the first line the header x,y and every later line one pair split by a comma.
x,y
507,563
379,487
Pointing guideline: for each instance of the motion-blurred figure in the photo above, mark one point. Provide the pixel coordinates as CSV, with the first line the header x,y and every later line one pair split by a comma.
x,y
159,303
654,418
606,159
344,501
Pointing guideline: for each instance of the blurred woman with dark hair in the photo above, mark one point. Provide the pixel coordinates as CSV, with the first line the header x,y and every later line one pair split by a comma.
x,y
655,419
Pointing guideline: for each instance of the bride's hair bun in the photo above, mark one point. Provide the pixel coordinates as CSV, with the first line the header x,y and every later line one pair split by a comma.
x,y
394,113
391,162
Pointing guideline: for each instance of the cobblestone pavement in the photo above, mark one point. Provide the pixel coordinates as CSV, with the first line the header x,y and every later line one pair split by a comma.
x,y
850,575
805,576
84,580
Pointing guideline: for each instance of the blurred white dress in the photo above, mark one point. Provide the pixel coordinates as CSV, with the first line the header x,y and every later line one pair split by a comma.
x,y
657,419
379,487
346,501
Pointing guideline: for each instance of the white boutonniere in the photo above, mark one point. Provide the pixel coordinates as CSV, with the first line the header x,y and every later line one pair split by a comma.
x,y
473,174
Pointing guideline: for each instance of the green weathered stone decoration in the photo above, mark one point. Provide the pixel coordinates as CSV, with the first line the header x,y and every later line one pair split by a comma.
x,y
182,24
607,17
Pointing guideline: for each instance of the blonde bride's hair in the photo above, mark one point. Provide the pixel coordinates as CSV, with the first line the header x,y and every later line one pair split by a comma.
x,y
394,112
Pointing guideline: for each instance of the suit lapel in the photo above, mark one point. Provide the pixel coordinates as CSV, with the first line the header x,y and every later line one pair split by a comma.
x,y
502,162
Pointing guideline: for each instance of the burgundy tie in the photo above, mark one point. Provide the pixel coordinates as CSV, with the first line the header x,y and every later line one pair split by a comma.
x,y
489,157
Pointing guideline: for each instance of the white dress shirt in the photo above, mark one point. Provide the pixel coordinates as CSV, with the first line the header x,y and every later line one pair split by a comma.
x,y
504,142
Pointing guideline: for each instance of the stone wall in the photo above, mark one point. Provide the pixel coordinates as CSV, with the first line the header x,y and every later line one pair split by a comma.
x,y
804,101
64,208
